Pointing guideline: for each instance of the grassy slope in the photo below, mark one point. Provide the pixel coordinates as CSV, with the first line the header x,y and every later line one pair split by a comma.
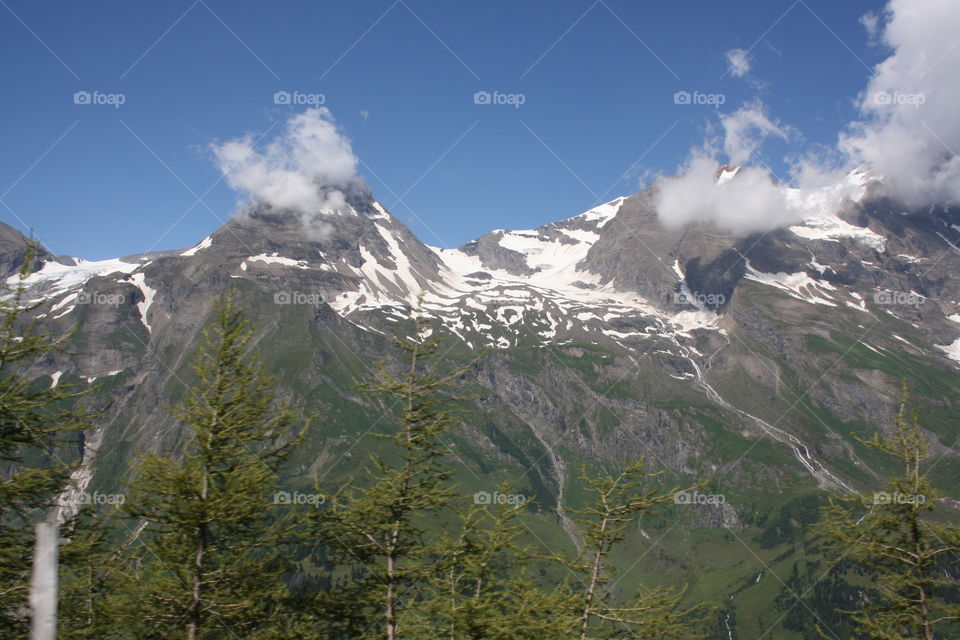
x,y
775,501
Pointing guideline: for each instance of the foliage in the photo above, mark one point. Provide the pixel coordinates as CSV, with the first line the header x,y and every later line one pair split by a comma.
x,y
207,561
380,527
653,613
909,555
36,421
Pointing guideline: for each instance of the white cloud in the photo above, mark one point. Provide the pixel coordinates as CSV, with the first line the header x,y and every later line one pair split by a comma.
x,y
908,136
910,133
749,202
871,22
746,129
304,169
738,62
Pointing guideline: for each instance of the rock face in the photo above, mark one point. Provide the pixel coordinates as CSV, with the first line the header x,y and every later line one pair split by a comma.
x,y
13,249
747,360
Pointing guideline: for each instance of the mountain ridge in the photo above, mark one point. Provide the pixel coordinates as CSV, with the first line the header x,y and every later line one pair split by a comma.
x,y
753,363
611,277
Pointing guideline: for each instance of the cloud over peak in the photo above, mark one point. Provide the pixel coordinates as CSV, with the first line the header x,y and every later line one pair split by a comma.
x,y
908,134
305,169
751,201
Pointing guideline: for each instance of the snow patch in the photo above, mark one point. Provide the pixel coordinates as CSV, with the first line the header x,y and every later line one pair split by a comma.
x,y
798,285
273,258
859,305
204,244
829,227
821,223
603,213
66,300
64,312
58,278
688,321
380,212
139,279
727,175
910,259
821,268
952,350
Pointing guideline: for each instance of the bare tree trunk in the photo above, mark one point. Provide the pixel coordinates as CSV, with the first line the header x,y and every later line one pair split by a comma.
x,y
390,612
592,590
391,598
927,627
43,586
198,557
195,594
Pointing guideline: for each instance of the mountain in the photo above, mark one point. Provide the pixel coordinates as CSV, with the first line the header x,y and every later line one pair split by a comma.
x,y
749,361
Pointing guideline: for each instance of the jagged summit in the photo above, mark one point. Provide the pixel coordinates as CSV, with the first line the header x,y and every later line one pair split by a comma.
x,y
13,250
613,270
611,278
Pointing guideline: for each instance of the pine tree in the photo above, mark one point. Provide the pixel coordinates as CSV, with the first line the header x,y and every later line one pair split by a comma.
x,y
910,556
653,613
206,563
483,589
35,420
380,525
90,568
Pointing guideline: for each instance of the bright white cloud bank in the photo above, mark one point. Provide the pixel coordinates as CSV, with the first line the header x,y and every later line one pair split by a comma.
x,y
304,169
911,131
741,205
908,136
748,202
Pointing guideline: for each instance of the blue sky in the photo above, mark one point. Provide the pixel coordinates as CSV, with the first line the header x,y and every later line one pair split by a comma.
x,y
597,81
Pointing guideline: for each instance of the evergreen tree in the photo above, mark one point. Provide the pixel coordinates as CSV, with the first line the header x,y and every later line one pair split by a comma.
x,y
910,556
381,525
35,419
205,564
483,589
90,568
653,613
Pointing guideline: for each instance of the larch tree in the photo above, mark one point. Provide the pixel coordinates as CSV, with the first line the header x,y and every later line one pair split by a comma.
x,y
206,561
910,555
379,526
657,612
484,590
37,421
